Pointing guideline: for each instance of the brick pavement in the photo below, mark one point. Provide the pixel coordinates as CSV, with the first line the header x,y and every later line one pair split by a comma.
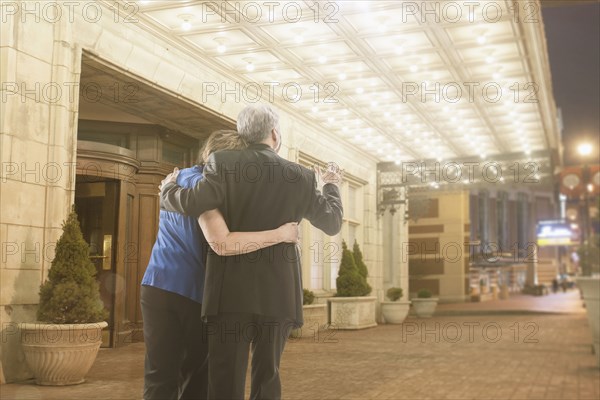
x,y
544,356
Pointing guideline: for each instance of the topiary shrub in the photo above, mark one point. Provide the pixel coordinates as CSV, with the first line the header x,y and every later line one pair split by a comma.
x,y
350,283
71,294
362,267
394,294
424,294
308,298
358,259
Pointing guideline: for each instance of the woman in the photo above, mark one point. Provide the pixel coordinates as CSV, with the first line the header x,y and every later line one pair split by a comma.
x,y
176,363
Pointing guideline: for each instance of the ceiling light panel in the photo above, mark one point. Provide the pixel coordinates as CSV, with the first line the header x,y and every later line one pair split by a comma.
x,y
234,40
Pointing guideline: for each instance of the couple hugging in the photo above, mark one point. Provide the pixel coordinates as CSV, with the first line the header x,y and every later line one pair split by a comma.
x,y
224,276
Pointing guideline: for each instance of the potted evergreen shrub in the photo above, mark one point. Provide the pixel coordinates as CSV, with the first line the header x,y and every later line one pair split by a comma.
x,y
352,308
589,284
61,347
424,305
394,311
315,317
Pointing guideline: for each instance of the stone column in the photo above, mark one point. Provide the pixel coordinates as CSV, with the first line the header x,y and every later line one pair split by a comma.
x,y
39,68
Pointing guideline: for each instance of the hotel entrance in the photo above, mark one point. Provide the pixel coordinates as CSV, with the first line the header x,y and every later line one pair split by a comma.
x,y
124,150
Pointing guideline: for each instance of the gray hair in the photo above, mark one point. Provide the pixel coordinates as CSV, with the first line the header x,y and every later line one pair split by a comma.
x,y
255,122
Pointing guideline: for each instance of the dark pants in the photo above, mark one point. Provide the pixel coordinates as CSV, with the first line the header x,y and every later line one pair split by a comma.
x,y
230,336
176,364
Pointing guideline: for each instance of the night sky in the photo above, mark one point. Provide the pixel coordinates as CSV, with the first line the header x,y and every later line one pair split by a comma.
x,y
573,35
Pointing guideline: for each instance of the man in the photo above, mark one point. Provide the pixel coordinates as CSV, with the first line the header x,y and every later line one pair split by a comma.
x,y
176,361
255,300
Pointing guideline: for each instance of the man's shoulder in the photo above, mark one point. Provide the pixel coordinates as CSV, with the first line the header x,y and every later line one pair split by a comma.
x,y
225,157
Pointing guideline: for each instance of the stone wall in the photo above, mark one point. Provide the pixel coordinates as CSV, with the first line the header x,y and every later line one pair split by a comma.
x,y
37,140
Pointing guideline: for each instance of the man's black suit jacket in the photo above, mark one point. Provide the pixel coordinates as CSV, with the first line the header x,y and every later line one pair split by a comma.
x,y
257,190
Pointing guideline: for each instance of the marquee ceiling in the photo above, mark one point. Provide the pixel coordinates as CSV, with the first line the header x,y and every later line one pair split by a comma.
x,y
369,56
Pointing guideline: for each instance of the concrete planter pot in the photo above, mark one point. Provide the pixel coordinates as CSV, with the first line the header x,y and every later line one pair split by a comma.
x,y
315,320
424,308
395,312
352,312
61,354
590,287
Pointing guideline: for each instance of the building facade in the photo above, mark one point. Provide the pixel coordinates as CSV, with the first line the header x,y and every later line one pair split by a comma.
x,y
102,100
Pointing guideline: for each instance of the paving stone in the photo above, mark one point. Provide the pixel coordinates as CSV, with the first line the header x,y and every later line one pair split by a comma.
x,y
536,356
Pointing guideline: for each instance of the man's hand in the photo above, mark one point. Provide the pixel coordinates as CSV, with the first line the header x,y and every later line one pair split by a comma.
x,y
171,178
332,174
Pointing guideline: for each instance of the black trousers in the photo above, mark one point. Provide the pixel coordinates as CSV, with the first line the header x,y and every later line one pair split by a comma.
x,y
176,363
230,337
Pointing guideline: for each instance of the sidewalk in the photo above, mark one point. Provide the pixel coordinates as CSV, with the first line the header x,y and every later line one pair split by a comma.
x,y
560,303
527,356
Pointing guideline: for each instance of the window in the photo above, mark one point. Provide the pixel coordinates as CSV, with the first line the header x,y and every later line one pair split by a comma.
x,y
316,258
173,154
114,139
484,201
522,221
333,258
351,234
351,207
322,254
502,221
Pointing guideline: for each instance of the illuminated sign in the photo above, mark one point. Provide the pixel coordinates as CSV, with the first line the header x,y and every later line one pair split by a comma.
x,y
555,233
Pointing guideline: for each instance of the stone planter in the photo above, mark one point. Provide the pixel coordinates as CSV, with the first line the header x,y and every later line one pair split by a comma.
x,y
60,354
424,308
352,312
590,287
395,312
315,320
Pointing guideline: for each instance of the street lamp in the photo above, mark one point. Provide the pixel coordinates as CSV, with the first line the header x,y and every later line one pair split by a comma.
x,y
584,149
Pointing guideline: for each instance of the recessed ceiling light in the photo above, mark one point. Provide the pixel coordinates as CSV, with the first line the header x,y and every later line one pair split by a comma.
x,y
342,76
414,68
374,104
186,25
322,59
481,39
360,90
249,66
489,59
399,50
315,109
